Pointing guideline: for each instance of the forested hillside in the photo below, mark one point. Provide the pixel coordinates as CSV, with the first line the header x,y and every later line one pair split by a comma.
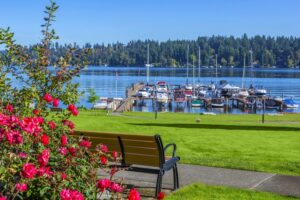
x,y
267,52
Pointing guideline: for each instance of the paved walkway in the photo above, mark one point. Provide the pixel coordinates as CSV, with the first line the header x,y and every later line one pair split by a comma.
x,y
280,184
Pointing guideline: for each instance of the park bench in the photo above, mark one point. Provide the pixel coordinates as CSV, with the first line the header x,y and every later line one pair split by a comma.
x,y
140,153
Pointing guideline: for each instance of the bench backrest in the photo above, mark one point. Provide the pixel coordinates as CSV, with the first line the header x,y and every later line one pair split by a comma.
x,y
135,149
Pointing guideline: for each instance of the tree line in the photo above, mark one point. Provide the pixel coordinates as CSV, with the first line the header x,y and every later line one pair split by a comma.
x,y
267,52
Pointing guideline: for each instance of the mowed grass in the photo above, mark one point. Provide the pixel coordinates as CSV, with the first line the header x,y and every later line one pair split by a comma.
x,y
230,141
204,192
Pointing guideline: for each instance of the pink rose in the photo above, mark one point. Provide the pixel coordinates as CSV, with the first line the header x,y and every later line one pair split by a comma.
x,y
9,108
103,184
115,187
103,148
52,125
134,195
21,187
22,155
63,151
55,102
29,170
43,158
48,98
114,154
85,143
66,194
64,140
45,139
44,171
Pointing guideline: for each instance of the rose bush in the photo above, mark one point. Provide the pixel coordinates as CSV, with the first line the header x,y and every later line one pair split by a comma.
x,y
40,156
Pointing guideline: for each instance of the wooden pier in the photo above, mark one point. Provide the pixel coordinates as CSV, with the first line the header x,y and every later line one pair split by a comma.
x,y
126,104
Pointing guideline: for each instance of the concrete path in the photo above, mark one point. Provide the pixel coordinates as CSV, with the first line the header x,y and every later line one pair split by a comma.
x,y
280,184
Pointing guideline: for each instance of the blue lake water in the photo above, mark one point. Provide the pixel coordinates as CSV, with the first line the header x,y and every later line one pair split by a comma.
x,y
113,81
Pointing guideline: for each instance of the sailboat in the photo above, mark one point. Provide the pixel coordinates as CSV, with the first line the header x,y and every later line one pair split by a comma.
x,y
198,102
148,65
243,92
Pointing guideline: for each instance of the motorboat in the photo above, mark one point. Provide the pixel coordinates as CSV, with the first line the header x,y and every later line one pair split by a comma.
x,y
243,93
161,86
260,91
197,103
102,104
217,102
179,96
143,93
289,103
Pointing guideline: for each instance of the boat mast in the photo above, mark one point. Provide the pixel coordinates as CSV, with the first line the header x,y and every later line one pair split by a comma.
x,y
216,68
244,70
148,65
199,64
251,61
187,64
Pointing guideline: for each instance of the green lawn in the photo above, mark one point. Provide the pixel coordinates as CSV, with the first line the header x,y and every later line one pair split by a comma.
x,y
204,192
231,141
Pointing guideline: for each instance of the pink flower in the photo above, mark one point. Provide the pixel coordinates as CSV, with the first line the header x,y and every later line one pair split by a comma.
x,y
31,125
63,151
55,102
52,125
115,187
48,98
43,158
13,137
29,170
22,155
160,196
103,184
35,112
72,151
64,140
103,160
21,187
114,154
44,171
63,176
85,143
3,198
9,108
103,148
72,108
134,195
66,194
45,139
70,124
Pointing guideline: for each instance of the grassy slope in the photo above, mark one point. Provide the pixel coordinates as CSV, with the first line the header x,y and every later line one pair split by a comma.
x,y
203,192
232,141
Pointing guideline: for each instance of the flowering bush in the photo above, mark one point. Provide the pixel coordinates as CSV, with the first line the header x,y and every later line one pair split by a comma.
x,y
40,161
40,156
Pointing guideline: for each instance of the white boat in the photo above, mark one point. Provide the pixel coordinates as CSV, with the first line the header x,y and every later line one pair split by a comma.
x,y
189,87
289,103
243,93
217,103
161,86
102,104
143,93
260,91
162,97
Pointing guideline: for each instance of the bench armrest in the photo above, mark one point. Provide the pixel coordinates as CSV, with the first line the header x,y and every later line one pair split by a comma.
x,y
174,148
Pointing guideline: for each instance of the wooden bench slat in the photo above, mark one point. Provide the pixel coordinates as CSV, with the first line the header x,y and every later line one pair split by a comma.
x,y
132,143
115,135
141,160
141,150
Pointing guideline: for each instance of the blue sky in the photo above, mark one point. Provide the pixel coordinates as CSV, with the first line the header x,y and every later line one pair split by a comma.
x,y
109,21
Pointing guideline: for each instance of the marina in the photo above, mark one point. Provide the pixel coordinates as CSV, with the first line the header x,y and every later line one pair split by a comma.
x,y
232,94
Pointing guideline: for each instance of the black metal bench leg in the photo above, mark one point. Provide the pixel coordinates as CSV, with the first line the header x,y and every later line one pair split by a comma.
x,y
176,177
158,183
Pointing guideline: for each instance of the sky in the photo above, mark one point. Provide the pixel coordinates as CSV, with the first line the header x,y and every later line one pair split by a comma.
x,y
109,21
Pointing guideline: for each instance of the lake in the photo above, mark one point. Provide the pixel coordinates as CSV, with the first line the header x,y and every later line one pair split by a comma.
x,y
113,81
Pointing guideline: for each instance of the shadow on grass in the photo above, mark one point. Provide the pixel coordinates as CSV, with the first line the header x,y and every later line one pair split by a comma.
x,y
220,126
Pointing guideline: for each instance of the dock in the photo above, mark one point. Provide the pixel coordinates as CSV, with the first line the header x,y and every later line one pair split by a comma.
x,y
127,103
